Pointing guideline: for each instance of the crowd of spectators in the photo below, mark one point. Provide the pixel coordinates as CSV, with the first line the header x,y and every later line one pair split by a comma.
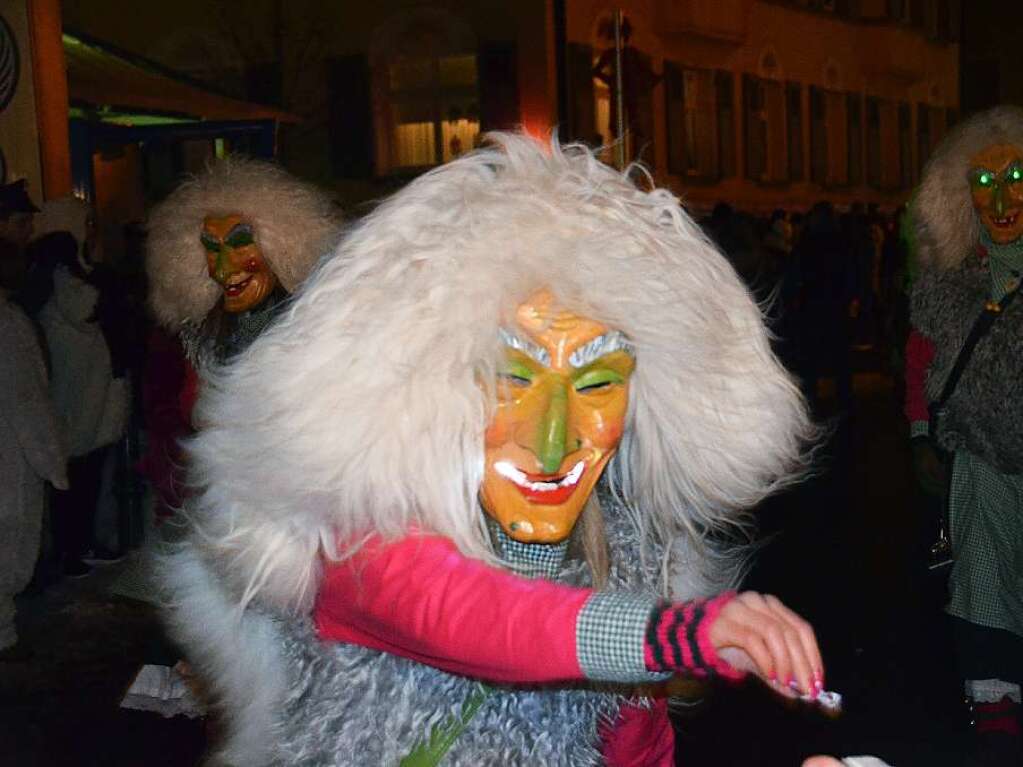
x,y
73,350
832,283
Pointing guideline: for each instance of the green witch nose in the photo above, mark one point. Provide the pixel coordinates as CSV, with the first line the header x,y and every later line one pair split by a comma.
x,y
223,267
999,200
553,428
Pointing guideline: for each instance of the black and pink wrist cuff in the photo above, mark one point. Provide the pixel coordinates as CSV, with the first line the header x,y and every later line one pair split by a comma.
x,y
678,638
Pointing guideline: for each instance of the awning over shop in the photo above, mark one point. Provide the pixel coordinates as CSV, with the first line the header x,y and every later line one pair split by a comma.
x,y
118,84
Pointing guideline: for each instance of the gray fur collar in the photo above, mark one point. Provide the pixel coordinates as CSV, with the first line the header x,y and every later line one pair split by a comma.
x,y
222,335
985,414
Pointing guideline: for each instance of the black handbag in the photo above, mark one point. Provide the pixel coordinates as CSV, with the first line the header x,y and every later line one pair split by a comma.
x,y
940,555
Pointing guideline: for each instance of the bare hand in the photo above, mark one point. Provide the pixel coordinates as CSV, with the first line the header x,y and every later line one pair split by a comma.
x,y
757,633
930,470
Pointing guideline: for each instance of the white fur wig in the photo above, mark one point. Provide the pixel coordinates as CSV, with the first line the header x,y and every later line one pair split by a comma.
x,y
294,223
362,409
947,226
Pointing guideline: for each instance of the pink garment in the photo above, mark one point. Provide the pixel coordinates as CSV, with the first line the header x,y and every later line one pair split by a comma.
x,y
420,598
919,355
162,382
642,737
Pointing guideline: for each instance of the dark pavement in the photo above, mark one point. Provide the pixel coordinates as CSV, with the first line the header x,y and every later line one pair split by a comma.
x,y
846,549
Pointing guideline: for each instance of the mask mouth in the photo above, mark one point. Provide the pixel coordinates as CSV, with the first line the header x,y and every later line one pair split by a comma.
x,y
236,288
542,488
1004,222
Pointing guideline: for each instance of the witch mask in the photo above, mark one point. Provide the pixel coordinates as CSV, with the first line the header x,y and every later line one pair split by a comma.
x,y
996,185
562,400
236,263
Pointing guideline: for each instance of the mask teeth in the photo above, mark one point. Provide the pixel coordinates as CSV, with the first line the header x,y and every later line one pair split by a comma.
x,y
543,487
573,475
508,471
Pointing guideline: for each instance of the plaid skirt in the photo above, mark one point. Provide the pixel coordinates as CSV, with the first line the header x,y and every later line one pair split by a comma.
x,y
986,528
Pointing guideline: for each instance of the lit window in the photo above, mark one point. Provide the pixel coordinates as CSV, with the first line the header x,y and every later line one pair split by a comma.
x,y
829,138
906,178
854,134
884,144
794,118
692,122
930,127
766,139
434,109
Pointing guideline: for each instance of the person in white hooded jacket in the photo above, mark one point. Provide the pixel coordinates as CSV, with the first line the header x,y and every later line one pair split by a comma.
x,y
31,453
92,405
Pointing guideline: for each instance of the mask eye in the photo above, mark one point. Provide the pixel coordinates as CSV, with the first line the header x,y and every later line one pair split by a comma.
x,y
209,243
513,380
1014,174
596,380
516,374
985,178
239,237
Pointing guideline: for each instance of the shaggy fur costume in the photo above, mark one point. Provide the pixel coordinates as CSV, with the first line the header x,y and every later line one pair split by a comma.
x,y
294,224
374,417
296,701
984,414
373,422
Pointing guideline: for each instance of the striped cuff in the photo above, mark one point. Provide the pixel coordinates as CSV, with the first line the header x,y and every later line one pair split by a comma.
x,y
919,429
609,636
678,638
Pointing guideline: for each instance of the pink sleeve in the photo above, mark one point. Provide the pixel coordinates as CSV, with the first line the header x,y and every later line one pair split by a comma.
x,y
919,355
641,737
421,599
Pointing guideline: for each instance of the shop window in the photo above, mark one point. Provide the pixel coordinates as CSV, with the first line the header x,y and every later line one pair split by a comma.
x,y
829,153
766,142
794,122
433,108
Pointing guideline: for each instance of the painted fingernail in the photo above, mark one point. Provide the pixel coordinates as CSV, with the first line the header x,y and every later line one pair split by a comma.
x,y
773,677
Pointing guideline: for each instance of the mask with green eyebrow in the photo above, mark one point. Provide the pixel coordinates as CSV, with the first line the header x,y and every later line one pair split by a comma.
x,y
235,262
240,236
562,401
